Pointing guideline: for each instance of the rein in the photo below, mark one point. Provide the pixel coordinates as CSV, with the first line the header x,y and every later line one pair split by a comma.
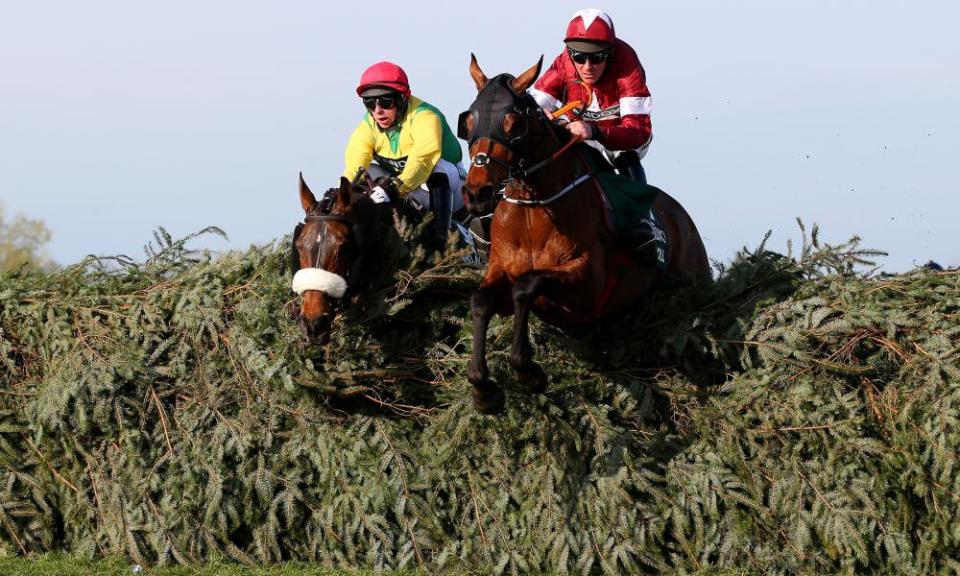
x,y
555,197
496,100
517,175
524,173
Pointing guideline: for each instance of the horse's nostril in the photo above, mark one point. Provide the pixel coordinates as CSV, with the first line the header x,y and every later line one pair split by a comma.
x,y
316,328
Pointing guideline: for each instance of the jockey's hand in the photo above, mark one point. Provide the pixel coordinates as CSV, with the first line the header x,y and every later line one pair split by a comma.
x,y
580,129
391,185
327,201
379,195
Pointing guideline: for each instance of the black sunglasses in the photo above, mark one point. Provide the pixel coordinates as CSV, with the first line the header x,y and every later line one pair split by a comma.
x,y
593,57
385,102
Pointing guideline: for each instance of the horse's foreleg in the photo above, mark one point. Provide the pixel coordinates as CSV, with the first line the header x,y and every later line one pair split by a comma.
x,y
527,287
487,396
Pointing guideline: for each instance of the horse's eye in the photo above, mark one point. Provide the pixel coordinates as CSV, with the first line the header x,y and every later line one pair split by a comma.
x,y
465,125
513,123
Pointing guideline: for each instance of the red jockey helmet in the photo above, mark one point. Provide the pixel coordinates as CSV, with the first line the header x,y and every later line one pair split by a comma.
x,y
386,74
591,26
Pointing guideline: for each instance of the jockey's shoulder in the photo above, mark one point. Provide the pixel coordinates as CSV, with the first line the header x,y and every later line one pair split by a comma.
x,y
625,57
415,103
624,49
420,106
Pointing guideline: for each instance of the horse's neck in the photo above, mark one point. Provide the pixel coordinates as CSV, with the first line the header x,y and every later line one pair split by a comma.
x,y
561,171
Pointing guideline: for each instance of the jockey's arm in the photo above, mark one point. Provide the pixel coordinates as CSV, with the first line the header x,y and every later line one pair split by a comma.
x,y
426,133
633,132
359,152
545,100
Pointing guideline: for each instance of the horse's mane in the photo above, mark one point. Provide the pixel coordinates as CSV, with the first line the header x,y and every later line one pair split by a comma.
x,y
358,191
552,128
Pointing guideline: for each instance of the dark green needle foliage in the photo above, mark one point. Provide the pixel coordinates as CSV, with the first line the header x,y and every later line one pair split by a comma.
x,y
799,415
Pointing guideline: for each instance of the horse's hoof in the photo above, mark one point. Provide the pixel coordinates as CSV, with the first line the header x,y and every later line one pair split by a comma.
x,y
534,380
489,401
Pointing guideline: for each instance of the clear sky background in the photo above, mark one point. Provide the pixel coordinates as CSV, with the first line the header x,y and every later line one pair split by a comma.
x,y
117,117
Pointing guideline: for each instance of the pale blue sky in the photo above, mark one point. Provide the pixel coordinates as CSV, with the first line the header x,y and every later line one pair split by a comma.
x,y
116,117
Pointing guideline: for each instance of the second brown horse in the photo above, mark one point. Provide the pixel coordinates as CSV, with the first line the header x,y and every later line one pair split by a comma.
x,y
551,252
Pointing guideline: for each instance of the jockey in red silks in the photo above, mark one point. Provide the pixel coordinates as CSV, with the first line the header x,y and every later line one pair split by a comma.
x,y
604,73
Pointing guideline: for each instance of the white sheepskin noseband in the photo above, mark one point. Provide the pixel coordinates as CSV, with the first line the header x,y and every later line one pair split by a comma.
x,y
318,279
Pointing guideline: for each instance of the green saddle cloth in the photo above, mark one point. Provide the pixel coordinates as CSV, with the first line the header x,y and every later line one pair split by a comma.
x,y
630,200
630,203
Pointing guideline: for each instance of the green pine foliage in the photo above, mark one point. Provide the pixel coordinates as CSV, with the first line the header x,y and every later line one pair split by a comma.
x,y
796,416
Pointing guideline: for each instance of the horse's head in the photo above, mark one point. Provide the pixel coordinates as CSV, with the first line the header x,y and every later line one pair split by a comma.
x,y
327,255
501,127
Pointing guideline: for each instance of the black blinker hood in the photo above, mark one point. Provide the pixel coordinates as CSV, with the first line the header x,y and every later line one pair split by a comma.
x,y
493,103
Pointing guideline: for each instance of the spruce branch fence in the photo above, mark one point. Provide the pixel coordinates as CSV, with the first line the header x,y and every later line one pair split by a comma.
x,y
797,416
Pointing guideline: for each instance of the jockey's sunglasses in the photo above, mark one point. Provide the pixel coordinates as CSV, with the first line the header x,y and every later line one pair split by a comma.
x,y
592,57
385,102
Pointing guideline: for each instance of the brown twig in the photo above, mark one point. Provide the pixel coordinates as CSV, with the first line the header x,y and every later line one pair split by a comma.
x,y
476,509
50,466
798,428
163,419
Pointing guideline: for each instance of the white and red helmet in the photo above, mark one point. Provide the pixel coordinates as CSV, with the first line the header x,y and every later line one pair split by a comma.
x,y
385,75
590,30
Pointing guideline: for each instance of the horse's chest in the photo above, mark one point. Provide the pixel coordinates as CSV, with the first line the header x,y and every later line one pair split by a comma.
x,y
531,241
520,258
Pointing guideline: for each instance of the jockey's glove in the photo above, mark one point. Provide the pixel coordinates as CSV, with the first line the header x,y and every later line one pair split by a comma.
x,y
327,201
390,185
379,195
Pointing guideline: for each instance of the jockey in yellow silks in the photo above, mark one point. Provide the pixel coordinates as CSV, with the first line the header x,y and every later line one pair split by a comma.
x,y
407,146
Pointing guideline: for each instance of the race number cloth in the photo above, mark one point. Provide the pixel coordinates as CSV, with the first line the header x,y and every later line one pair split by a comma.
x,y
628,207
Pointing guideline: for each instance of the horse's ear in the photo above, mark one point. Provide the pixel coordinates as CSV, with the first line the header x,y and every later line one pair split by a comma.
x,y
344,193
307,199
525,80
479,78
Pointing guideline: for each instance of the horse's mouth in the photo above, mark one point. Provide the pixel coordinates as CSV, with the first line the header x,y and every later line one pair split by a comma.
x,y
316,332
481,202
317,341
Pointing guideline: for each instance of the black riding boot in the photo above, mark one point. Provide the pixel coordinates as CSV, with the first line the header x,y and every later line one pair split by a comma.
x,y
441,205
628,164
642,239
636,173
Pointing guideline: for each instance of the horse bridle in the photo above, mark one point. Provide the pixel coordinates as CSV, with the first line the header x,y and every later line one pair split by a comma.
x,y
493,104
357,232
487,129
